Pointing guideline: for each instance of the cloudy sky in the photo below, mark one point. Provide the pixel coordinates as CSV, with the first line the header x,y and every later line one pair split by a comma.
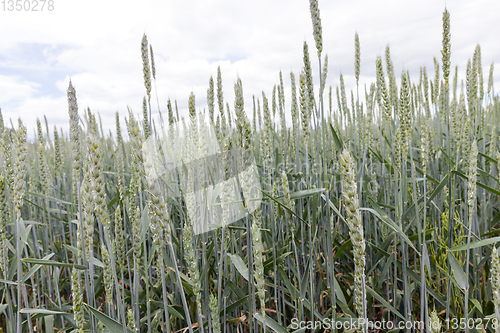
x,y
96,44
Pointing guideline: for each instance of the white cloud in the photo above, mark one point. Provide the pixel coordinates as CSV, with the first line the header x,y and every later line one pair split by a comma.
x,y
97,45
17,88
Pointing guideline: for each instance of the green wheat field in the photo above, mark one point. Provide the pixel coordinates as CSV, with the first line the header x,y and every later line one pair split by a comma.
x,y
364,210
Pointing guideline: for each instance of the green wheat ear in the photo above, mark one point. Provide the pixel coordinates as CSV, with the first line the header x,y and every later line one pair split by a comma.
x,y
20,154
58,154
446,52
145,123
258,258
308,78
108,274
316,22
357,58
153,67
495,282
472,178
490,80
131,321
350,194
435,322
78,310
214,313
211,101
304,105
324,74
145,65
3,225
74,134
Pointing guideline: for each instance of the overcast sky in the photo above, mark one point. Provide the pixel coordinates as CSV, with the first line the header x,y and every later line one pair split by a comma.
x,y
96,44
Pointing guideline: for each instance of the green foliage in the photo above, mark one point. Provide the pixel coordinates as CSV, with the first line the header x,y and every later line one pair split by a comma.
x,y
384,202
